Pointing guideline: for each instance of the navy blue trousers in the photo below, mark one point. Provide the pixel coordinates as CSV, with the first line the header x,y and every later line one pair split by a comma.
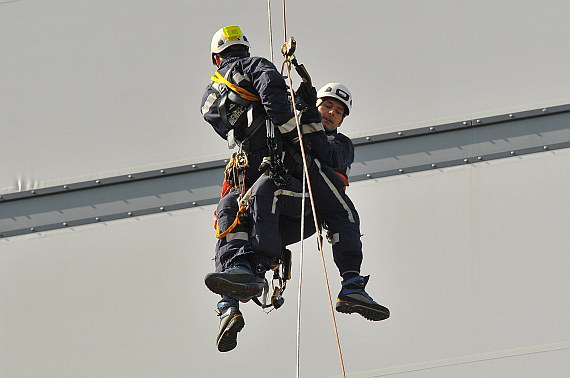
x,y
275,216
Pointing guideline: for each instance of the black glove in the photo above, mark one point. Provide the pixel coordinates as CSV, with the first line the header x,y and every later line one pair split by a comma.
x,y
296,146
307,93
310,115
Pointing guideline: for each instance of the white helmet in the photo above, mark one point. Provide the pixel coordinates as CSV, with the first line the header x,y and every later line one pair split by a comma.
x,y
226,37
338,92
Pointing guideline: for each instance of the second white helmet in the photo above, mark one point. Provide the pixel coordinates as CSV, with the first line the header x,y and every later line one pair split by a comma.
x,y
226,37
338,92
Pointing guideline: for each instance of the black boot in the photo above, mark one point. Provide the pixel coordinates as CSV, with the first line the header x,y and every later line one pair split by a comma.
x,y
231,322
353,298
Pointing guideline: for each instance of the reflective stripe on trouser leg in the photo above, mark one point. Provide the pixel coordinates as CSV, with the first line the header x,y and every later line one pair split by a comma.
x,y
281,194
235,243
237,236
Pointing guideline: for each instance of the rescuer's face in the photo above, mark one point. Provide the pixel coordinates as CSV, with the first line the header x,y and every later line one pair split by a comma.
x,y
332,113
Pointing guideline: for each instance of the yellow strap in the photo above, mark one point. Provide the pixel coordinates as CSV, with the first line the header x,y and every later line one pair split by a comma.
x,y
218,78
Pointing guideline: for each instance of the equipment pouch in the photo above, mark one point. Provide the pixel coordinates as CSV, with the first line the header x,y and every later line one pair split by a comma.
x,y
233,110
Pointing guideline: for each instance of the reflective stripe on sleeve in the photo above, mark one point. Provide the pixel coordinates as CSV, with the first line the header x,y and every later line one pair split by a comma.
x,y
335,192
288,126
312,128
308,128
209,102
238,77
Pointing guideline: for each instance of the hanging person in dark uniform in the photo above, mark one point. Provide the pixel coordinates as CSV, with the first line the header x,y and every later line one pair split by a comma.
x,y
328,167
335,211
247,104
245,93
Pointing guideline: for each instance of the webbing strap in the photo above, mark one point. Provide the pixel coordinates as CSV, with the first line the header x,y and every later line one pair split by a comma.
x,y
221,235
218,78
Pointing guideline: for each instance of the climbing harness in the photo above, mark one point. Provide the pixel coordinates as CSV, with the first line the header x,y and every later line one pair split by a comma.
x,y
234,174
240,101
234,178
274,168
238,106
218,78
274,165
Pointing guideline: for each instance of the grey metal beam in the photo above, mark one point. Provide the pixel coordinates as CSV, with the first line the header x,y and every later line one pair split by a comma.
x,y
110,198
462,142
376,156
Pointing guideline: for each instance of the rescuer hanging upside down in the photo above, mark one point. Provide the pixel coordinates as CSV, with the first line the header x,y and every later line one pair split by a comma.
x,y
244,93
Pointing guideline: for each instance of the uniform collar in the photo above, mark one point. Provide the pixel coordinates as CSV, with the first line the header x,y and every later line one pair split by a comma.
x,y
333,133
232,57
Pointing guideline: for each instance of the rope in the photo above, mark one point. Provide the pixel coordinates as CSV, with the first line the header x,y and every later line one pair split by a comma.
x,y
270,29
287,63
319,241
298,350
284,23
300,276
233,179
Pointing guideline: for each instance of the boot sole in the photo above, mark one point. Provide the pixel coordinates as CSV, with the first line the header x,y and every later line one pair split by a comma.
x,y
228,340
239,291
366,312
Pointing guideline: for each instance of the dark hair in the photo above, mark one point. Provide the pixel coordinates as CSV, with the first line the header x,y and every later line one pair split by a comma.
x,y
233,49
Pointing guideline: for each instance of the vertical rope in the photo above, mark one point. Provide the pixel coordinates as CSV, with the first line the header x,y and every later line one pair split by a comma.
x,y
270,30
305,169
284,23
319,241
300,280
306,181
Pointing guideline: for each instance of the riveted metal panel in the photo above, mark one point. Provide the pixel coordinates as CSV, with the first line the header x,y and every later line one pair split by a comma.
x,y
376,156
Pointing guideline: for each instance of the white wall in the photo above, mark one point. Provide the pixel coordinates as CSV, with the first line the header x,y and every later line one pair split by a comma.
x,y
471,260
97,88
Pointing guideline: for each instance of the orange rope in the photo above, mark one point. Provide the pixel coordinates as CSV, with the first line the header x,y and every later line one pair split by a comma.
x,y
237,161
232,226
305,168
